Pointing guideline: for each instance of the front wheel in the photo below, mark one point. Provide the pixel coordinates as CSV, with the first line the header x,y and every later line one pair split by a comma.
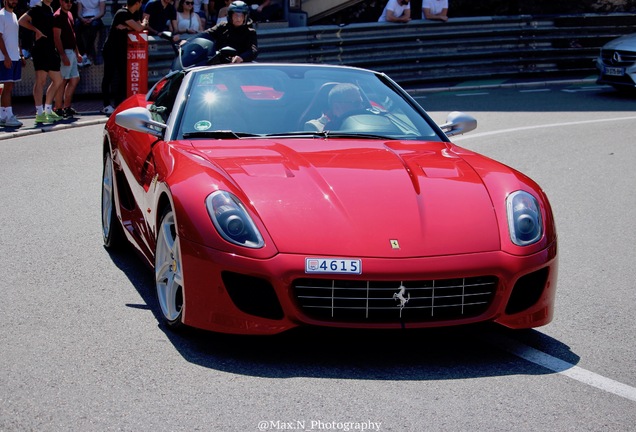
x,y
112,231
169,271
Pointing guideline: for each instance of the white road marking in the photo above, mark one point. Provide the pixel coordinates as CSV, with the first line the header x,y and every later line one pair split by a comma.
x,y
583,89
535,90
563,368
523,128
472,94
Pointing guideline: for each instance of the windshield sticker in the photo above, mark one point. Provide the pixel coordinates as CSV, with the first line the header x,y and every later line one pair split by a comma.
x,y
202,125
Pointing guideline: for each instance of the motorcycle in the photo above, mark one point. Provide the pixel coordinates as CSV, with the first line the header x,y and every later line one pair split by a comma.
x,y
197,51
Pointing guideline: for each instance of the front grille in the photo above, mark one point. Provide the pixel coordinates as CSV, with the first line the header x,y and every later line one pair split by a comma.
x,y
394,301
618,58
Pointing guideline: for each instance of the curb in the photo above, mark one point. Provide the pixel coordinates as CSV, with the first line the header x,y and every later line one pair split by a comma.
x,y
52,128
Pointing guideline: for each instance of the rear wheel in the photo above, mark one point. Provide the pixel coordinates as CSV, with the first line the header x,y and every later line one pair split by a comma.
x,y
112,230
168,271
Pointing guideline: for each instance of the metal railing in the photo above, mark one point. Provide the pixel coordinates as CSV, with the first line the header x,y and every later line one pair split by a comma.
x,y
464,48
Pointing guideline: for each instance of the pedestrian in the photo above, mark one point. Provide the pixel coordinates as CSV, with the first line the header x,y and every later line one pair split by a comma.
x,y
46,60
66,45
221,17
26,36
266,10
89,28
188,22
435,10
201,8
398,11
12,61
115,54
160,15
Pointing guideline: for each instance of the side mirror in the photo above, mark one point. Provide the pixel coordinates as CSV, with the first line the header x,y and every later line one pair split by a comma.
x,y
458,123
140,120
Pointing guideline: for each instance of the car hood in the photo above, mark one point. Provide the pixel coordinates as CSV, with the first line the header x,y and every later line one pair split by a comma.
x,y
365,198
623,43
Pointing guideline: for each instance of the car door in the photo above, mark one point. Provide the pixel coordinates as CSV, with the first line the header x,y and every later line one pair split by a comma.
x,y
137,160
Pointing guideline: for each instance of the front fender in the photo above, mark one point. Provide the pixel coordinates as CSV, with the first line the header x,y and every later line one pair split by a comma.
x,y
184,181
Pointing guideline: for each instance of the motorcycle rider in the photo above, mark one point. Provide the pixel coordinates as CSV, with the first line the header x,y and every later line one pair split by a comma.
x,y
237,33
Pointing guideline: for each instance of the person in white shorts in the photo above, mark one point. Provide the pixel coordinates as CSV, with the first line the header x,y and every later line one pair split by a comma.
x,y
66,45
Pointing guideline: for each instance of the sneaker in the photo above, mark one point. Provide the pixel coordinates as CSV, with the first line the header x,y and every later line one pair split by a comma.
x,y
108,110
69,112
53,117
43,118
85,62
11,122
59,111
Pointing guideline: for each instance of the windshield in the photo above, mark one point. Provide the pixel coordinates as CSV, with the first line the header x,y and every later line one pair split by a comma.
x,y
272,100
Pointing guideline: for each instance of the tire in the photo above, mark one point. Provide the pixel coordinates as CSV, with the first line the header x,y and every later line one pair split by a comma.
x,y
112,231
169,272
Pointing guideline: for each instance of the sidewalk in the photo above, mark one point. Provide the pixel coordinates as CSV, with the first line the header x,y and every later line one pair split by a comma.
x,y
24,109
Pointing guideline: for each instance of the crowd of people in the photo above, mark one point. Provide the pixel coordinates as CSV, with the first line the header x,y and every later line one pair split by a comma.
x,y
399,11
63,36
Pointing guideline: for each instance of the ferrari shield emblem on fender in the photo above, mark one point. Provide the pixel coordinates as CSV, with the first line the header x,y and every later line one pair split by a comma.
x,y
394,244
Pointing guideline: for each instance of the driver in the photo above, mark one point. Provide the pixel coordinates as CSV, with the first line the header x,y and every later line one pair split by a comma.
x,y
237,33
342,100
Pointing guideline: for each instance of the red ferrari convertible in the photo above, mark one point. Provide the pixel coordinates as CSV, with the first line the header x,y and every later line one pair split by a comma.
x,y
270,196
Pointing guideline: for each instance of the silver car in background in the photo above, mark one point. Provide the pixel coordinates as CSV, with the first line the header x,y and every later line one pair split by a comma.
x,y
617,63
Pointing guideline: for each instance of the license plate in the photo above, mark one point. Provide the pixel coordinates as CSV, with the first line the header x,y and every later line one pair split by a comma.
x,y
614,71
333,265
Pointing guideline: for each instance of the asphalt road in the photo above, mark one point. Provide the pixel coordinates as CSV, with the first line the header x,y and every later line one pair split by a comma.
x,y
82,349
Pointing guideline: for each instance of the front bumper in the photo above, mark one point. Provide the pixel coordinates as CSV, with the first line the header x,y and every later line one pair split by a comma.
x,y
623,76
211,304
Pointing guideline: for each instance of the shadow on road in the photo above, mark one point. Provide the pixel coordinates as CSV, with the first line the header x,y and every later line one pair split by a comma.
x,y
429,354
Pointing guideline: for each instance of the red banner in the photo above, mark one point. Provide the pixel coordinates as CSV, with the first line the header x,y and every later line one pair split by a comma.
x,y
137,81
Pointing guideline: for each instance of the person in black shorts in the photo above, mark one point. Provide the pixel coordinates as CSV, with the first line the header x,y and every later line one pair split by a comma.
x,y
46,60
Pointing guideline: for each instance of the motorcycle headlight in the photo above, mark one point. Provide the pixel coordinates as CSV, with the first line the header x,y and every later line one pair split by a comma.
x,y
524,218
232,220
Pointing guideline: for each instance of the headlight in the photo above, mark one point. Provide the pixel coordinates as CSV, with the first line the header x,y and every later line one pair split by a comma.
x,y
524,218
232,221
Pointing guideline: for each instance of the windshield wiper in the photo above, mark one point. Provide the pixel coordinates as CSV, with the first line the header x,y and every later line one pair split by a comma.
x,y
330,134
307,134
218,134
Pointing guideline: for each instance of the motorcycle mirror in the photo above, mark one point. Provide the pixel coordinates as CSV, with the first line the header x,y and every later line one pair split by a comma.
x,y
166,35
227,51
